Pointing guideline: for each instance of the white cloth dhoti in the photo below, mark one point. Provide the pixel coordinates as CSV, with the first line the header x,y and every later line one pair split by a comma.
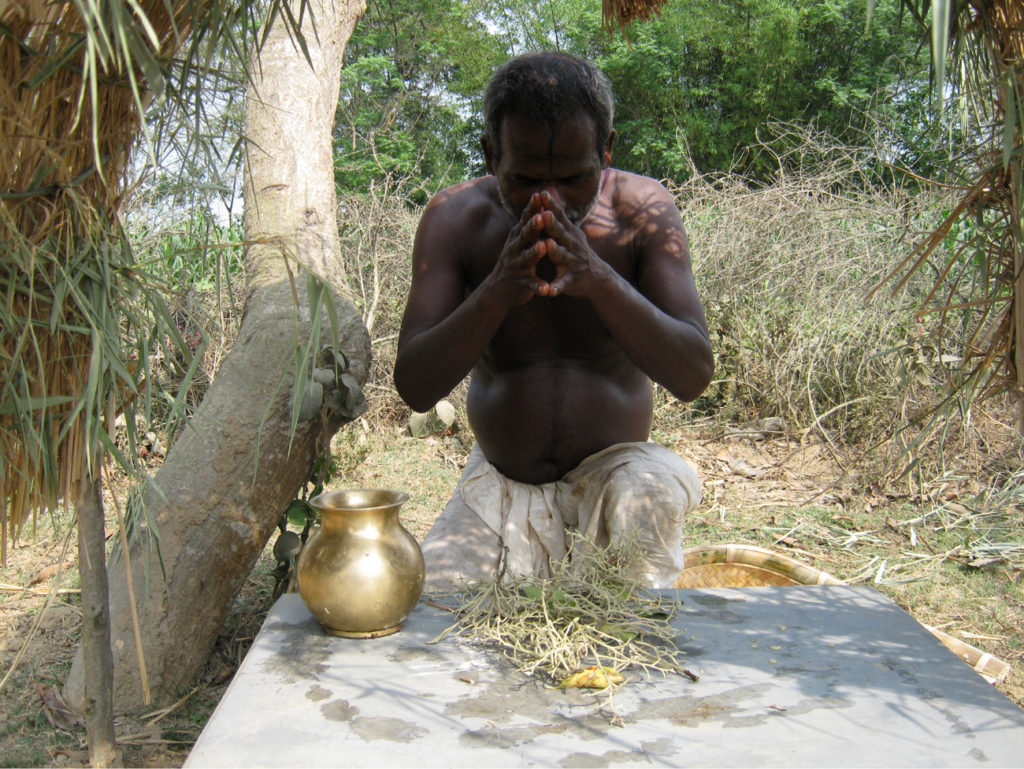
x,y
630,491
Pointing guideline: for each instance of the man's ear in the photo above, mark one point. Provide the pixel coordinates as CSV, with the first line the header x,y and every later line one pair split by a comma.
x,y
606,154
485,145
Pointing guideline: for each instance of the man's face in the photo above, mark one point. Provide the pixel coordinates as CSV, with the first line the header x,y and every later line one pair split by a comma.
x,y
565,164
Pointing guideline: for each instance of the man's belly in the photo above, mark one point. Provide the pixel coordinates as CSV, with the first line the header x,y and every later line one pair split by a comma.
x,y
537,423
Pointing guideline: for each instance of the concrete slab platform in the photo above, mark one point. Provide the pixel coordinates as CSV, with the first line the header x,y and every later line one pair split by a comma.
x,y
790,676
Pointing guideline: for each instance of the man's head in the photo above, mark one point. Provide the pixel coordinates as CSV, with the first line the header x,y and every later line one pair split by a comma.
x,y
548,119
548,89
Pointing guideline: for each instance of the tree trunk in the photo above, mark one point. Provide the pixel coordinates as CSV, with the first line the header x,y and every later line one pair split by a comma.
x,y
229,476
290,201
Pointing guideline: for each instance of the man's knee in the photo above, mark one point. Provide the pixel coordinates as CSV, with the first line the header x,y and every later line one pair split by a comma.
x,y
458,547
668,486
646,504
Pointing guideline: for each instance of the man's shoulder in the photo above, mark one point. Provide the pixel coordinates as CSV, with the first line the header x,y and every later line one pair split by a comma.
x,y
631,189
459,218
465,200
636,199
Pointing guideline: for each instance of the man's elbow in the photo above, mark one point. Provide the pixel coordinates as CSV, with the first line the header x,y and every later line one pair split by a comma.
x,y
410,390
696,380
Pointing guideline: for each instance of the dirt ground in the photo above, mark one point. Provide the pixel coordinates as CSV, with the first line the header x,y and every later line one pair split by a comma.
x,y
793,495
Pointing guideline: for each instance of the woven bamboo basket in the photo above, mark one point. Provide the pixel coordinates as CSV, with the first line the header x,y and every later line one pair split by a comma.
x,y
746,566
749,566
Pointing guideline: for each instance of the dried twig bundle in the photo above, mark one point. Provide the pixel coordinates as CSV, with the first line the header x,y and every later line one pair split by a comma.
x,y
590,613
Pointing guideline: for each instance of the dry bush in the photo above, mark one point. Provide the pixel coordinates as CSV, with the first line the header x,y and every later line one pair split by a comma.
x,y
196,264
376,232
786,272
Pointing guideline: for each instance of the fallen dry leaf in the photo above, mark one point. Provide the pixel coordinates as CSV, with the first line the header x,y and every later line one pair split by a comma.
x,y
58,712
743,468
49,571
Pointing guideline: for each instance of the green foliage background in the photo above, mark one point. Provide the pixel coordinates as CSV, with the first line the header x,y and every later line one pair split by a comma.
x,y
693,87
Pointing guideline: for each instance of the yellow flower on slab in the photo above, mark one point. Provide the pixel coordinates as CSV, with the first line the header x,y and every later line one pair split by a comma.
x,y
594,677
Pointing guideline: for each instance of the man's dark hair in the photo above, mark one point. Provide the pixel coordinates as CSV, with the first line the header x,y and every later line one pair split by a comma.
x,y
548,88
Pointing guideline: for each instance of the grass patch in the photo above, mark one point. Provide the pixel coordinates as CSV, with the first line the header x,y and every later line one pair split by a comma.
x,y
427,469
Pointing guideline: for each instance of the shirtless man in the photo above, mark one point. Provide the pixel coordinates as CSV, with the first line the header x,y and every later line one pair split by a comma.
x,y
565,287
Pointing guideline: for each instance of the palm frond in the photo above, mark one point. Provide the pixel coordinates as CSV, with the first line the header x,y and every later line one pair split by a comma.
x,y
982,284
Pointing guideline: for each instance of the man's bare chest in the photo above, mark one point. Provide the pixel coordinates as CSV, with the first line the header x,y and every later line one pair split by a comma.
x,y
553,331
551,334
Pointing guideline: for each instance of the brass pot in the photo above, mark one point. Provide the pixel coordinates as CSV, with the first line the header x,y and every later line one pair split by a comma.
x,y
361,572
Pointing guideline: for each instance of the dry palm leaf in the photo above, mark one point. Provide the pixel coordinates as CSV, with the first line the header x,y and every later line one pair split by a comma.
x,y
79,78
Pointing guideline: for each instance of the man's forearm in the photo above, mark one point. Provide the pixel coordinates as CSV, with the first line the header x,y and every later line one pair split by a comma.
x,y
674,353
432,361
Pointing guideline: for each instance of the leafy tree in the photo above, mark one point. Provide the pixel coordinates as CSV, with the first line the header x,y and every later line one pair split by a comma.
x,y
82,321
412,71
981,285
707,75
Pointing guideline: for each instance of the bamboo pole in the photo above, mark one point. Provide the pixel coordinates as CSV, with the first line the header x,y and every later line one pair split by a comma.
x,y
99,690
1018,322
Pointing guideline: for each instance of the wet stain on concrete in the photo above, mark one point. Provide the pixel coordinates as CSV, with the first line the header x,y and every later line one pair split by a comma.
x,y
515,711
385,728
560,727
496,708
317,693
659,748
691,711
718,607
501,699
957,724
304,651
509,737
762,716
413,654
715,601
655,751
494,737
338,710
899,667
736,708
727,617
610,758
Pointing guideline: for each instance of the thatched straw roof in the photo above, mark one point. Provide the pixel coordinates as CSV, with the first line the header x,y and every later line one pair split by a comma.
x,y
70,102
625,12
